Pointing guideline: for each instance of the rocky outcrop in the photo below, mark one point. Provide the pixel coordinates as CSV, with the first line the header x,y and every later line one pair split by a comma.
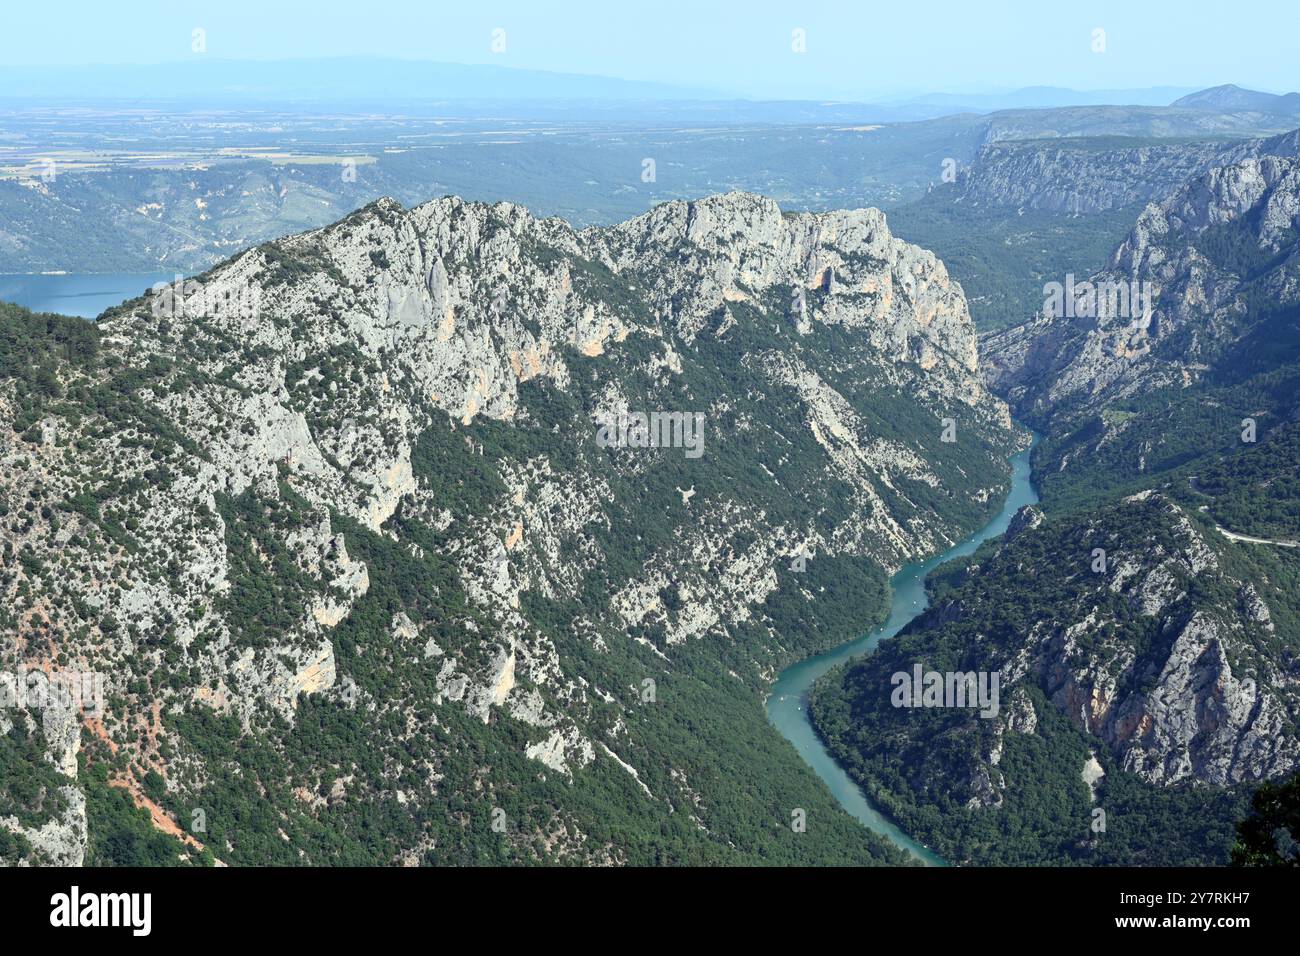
x,y
61,839
1177,687
424,387
1085,177
1120,621
1177,256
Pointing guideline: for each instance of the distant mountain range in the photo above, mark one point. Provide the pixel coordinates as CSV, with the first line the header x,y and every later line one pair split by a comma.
x,y
401,85
1047,97
1230,97
1226,98
333,79
583,160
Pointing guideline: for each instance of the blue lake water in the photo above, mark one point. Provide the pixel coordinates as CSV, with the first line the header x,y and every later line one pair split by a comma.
x,y
787,704
85,296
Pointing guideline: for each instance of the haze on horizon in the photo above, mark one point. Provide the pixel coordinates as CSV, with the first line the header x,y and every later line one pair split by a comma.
x,y
848,52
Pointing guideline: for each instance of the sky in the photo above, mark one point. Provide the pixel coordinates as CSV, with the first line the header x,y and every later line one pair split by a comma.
x,y
853,49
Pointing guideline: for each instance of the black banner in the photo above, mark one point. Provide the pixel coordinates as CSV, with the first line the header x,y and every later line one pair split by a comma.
x,y
336,905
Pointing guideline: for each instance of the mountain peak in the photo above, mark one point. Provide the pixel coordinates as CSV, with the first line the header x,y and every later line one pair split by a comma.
x,y
1229,96
396,431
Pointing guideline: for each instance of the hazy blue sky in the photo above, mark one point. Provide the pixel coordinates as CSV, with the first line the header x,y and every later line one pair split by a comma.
x,y
854,49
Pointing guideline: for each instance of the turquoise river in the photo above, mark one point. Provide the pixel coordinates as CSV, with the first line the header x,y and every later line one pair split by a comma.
x,y
787,704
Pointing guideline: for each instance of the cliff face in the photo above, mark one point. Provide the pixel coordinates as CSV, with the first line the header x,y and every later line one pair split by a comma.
x,y
1152,646
1195,381
360,467
1130,648
1092,176
1217,256
1142,622
1205,698
1145,122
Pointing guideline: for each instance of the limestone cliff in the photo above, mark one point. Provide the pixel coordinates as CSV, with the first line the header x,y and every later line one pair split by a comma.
x,y
359,467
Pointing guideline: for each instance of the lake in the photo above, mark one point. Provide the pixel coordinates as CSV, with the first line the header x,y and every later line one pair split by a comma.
x,y
85,296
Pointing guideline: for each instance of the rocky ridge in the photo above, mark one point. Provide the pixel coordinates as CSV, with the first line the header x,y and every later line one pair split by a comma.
x,y
1199,301
1126,620
1085,177
320,393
